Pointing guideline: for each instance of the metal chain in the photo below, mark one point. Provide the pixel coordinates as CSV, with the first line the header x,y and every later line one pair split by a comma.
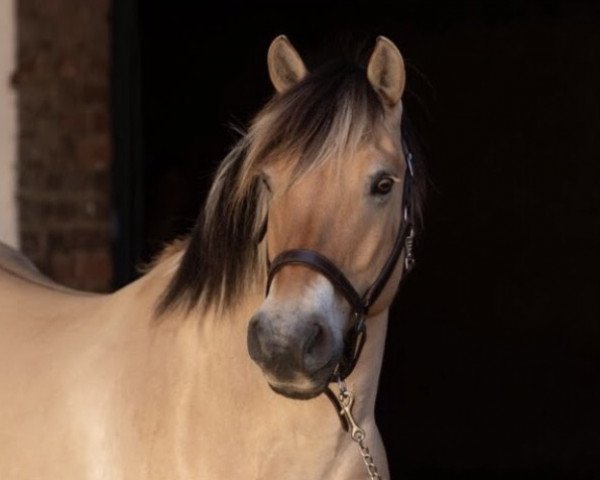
x,y
346,399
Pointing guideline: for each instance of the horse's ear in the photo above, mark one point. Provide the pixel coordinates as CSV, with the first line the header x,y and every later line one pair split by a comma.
x,y
286,68
386,71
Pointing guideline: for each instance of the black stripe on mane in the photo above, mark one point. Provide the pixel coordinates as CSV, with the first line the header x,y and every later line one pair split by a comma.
x,y
221,253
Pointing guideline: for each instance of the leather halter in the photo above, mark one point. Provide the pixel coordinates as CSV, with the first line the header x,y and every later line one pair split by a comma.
x,y
356,337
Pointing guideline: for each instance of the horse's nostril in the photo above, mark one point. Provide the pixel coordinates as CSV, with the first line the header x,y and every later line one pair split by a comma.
x,y
313,339
254,332
316,353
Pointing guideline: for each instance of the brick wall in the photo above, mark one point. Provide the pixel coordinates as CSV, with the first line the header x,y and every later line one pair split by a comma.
x,y
64,146
8,126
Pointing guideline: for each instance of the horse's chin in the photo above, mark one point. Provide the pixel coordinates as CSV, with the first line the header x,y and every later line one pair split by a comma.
x,y
302,387
297,394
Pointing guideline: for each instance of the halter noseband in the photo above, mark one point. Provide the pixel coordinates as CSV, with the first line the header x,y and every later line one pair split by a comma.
x,y
357,335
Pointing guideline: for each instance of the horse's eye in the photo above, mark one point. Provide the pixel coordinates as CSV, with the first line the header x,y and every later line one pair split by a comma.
x,y
382,186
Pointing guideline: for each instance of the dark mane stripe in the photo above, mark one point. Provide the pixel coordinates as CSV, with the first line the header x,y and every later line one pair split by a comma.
x,y
332,111
220,255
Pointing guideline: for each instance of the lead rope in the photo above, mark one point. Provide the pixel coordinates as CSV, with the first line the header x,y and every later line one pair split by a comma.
x,y
358,435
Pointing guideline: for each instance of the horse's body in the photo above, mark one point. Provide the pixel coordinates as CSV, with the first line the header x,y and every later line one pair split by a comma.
x,y
90,388
155,381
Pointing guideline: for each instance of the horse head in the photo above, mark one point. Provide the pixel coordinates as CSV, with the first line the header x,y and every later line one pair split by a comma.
x,y
334,168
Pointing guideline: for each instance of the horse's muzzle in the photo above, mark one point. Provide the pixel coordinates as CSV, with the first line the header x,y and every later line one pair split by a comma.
x,y
297,357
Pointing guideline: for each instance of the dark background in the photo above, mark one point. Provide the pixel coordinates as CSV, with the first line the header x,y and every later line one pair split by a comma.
x,y
492,367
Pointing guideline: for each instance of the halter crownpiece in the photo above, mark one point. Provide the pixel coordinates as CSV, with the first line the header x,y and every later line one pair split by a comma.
x,y
356,337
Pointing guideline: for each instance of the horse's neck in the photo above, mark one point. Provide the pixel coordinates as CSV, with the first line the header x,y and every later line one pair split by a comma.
x,y
221,400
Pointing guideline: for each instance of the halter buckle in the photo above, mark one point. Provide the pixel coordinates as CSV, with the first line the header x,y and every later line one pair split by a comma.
x,y
409,259
409,163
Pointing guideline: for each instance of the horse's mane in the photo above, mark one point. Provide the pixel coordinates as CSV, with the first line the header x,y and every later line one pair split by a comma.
x,y
329,114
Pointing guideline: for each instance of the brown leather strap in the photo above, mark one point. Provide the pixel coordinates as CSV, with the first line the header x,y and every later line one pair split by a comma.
x,y
323,265
373,292
353,345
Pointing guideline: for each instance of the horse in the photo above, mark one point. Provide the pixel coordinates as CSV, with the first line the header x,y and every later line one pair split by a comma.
x,y
191,371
